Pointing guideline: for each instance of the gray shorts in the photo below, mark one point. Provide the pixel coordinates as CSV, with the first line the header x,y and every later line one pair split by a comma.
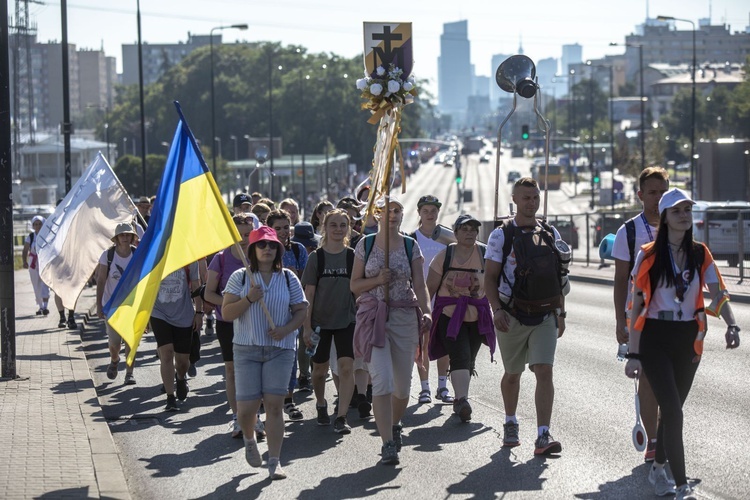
x,y
532,345
260,370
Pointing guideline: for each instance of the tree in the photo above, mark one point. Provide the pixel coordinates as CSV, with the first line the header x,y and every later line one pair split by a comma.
x,y
129,171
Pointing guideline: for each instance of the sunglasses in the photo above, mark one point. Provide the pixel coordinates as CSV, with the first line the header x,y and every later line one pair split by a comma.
x,y
263,244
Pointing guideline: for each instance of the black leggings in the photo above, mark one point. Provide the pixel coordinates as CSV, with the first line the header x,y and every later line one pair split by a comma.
x,y
669,362
463,350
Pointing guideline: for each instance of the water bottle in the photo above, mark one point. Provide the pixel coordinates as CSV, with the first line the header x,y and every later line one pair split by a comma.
x,y
622,350
315,339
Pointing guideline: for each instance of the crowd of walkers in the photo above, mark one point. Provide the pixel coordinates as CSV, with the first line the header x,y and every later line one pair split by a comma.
x,y
361,299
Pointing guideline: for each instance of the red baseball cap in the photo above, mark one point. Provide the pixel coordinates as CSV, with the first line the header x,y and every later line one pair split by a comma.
x,y
264,233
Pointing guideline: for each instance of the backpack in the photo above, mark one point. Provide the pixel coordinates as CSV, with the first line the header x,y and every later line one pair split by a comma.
x,y
538,286
286,275
630,233
449,257
31,238
370,242
111,256
320,254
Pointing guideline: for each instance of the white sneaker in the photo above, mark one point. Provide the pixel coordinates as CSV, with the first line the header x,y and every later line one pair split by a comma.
x,y
260,430
236,429
663,486
685,492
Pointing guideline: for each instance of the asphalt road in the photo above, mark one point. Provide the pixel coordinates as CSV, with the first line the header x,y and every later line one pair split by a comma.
x,y
190,454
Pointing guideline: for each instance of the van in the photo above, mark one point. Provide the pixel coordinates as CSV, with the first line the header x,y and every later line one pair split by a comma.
x,y
715,223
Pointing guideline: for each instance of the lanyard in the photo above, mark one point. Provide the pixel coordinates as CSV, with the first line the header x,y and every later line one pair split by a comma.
x,y
648,228
680,283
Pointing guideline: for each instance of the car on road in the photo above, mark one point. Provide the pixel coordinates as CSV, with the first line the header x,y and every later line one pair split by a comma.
x,y
568,231
513,176
609,223
716,224
485,158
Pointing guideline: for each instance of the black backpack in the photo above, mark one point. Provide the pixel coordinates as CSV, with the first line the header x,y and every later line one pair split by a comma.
x,y
111,256
538,285
449,257
320,255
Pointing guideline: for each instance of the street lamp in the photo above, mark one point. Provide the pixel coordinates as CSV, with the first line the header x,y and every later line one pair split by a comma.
x,y
692,104
643,99
611,125
241,27
218,140
234,139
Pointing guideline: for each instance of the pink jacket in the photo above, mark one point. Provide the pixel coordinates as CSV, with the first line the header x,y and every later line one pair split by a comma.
x,y
372,315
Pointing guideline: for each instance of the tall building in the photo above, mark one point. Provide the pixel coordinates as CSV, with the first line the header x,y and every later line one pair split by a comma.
x,y
158,58
571,54
454,70
495,92
96,77
546,69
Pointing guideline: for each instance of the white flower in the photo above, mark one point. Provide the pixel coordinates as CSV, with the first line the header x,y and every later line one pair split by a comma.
x,y
412,80
393,86
376,89
408,86
380,71
361,84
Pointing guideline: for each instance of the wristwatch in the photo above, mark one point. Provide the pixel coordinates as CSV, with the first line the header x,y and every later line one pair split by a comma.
x,y
561,314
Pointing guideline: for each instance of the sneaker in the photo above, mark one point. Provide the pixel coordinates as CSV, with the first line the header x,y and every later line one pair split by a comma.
x,y
340,426
510,435
236,429
303,384
424,397
112,370
546,445
363,406
171,403
462,408
323,418
294,413
129,379
61,323
72,325
444,395
45,311
397,436
192,371
260,430
252,455
39,312
685,492
650,454
663,486
182,388
389,453
209,326
274,469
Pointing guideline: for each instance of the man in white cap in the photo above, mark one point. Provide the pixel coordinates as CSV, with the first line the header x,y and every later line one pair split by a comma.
x,y
112,264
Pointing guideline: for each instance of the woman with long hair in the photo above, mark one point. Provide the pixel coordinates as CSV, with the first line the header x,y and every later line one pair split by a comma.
x,y
668,325
263,356
318,213
387,333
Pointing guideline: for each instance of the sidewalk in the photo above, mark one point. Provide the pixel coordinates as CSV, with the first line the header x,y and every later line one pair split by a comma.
x,y
56,442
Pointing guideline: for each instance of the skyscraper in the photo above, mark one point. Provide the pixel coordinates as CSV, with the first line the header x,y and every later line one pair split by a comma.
x,y
454,70
495,92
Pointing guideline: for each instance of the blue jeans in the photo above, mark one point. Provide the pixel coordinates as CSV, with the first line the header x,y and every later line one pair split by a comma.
x,y
260,370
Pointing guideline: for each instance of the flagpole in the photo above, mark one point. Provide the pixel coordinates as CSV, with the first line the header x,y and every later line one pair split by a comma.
x,y
252,283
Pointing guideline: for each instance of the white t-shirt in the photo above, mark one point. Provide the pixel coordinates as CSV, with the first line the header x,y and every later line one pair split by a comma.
x,y
430,248
116,270
664,298
495,253
620,250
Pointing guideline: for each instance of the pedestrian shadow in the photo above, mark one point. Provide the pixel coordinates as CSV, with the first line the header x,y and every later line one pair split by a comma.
x,y
228,490
80,492
363,483
452,431
53,356
210,451
500,476
634,485
72,386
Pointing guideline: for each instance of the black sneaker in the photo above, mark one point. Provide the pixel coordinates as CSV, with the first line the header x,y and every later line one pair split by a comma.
x,y
192,371
171,403
72,325
389,453
462,408
397,436
323,418
303,384
209,327
363,406
340,426
61,323
129,379
510,435
546,445
182,389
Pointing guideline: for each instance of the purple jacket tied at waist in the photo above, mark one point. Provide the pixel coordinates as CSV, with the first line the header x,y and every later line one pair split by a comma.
x,y
372,314
486,329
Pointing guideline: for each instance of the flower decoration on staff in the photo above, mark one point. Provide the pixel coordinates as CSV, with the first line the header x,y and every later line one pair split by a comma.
x,y
384,89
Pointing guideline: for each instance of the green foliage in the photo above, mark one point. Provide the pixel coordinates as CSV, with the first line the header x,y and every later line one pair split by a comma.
x,y
130,172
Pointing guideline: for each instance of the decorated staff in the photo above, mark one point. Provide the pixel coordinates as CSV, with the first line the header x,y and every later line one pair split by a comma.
x,y
386,88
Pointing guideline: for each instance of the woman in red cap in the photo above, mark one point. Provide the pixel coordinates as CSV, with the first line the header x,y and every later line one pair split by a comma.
x,y
263,355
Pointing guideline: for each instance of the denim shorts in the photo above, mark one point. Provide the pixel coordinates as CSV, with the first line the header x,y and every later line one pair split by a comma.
x,y
260,370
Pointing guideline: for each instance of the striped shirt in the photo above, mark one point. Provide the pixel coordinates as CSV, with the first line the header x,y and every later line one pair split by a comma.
x,y
251,328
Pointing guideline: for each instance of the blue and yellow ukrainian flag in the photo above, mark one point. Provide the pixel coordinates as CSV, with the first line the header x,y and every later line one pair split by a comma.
x,y
188,221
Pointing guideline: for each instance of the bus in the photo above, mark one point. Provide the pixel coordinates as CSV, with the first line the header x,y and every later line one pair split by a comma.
x,y
554,175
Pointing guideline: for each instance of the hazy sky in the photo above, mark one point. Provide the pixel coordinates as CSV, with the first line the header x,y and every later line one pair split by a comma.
x,y
335,26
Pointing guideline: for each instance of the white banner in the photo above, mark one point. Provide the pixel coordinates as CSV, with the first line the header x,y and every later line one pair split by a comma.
x,y
75,236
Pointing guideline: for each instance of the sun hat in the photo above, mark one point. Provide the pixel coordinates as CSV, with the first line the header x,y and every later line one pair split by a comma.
x,y
264,233
466,219
144,199
672,198
305,234
428,199
123,228
381,202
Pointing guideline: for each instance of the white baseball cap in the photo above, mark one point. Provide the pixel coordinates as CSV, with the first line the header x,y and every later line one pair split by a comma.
x,y
672,198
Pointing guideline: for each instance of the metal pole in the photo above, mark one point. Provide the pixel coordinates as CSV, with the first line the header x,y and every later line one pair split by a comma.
x,y
213,99
612,131
106,131
66,125
140,93
643,111
692,125
591,122
270,116
7,285
573,131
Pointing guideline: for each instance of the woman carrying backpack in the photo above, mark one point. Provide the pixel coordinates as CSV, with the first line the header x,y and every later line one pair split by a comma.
x,y
669,325
464,318
387,334
263,356
333,310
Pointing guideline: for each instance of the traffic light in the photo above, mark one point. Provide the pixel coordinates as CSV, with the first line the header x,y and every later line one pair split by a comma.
x,y
458,174
596,177
525,132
